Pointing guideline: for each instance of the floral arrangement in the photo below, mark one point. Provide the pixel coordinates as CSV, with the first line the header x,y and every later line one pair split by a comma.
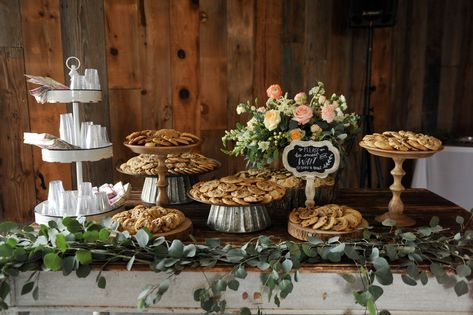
x,y
273,126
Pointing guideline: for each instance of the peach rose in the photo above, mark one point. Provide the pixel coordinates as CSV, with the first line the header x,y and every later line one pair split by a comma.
x,y
300,98
302,114
328,112
296,134
274,91
272,118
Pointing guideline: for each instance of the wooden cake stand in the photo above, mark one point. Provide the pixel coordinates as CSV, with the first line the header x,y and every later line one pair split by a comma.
x,y
396,206
161,153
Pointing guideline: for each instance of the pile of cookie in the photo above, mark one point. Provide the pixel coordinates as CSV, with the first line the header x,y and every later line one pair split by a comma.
x,y
156,219
237,191
284,178
331,217
402,141
177,164
161,138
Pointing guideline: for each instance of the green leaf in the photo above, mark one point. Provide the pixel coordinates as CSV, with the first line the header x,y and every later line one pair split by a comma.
x,y
245,311
463,270
287,265
434,221
384,276
84,256
348,277
68,265
129,265
4,290
314,240
380,263
277,301
189,250
35,293
8,226
333,239
52,261
142,238
83,271
338,249
423,278
262,265
409,236
235,255
371,307
459,219
198,293
176,249
212,242
412,271
61,242
437,269
102,282
408,280
72,225
163,286
27,287
461,288
5,251
384,312
240,272
389,222
376,291
91,236
104,234
219,285
233,284
374,253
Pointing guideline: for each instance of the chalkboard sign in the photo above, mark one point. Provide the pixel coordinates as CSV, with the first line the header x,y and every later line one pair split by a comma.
x,y
311,158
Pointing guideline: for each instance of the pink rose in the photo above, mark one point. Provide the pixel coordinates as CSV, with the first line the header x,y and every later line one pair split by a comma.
x,y
300,98
274,91
302,114
328,112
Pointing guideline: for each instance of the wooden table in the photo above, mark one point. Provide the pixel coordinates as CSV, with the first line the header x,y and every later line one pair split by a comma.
x,y
320,291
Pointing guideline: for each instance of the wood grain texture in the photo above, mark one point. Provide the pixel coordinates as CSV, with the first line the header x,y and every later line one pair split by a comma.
x,y
41,28
213,64
10,20
17,187
83,36
184,30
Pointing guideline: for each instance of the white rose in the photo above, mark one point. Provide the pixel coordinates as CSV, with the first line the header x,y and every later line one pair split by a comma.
x,y
251,124
240,109
263,145
272,118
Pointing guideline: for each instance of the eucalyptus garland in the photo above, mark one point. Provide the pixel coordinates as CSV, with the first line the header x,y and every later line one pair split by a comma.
x,y
74,245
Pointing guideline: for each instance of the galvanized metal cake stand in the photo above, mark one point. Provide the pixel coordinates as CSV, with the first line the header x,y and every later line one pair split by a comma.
x,y
237,219
161,153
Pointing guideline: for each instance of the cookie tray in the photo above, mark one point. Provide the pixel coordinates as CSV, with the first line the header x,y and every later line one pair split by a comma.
x,y
80,155
74,96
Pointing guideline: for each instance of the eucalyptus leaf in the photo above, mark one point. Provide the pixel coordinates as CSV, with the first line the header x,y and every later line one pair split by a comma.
x,y
8,226
163,286
104,234
409,236
27,288
338,248
130,263
376,291
287,265
380,263
35,293
389,222
423,278
233,284
412,271
61,242
384,312
459,220
408,280
52,261
314,240
219,285
245,311
142,237
384,276
102,282
437,269
176,249
84,256
463,270
212,242
240,272
434,221
333,239
68,265
461,288
374,254
4,290
83,271
189,250
348,277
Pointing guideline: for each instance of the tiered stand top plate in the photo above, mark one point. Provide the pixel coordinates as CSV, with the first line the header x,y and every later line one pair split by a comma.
x,y
74,96
399,154
79,155
141,149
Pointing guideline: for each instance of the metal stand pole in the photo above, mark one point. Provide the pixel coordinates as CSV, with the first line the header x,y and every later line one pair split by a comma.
x,y
367,121
75,114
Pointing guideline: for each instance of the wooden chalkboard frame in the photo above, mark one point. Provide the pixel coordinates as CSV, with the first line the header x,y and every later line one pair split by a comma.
x,y
317,144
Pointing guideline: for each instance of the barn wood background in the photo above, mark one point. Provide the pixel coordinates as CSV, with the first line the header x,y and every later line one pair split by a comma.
x,y
150,53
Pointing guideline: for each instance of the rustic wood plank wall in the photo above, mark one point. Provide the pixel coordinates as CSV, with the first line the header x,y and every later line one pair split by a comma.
x,y
188,63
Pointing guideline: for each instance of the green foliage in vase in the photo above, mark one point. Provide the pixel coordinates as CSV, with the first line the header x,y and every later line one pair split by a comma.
x,y
272,127
73,245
